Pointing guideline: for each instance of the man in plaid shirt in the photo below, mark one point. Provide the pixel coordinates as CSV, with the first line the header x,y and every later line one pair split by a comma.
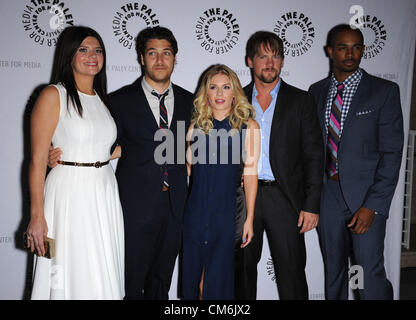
x,y
362,125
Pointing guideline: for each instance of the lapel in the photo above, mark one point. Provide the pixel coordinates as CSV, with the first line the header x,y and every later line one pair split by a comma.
x,y
323,94
355,101
143,104
177,98
282,103
248,90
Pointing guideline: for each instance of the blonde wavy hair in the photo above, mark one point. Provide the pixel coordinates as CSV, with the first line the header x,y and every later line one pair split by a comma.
x,y
241,112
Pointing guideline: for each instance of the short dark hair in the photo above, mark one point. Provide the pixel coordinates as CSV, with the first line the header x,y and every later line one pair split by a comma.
x,y
333,33
66,47
158,32
268,39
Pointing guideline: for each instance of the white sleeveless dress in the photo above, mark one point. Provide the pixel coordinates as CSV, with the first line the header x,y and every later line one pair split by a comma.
x,y
82,210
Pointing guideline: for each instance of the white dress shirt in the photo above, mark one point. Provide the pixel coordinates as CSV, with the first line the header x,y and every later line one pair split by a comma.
x,y
154,101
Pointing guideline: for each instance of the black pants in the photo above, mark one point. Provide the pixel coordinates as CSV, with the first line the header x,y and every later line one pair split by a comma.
x,y
152,245
273,214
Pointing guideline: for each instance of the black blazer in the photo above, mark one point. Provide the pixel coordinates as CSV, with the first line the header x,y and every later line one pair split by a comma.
x,y
370,151
139,176
296,147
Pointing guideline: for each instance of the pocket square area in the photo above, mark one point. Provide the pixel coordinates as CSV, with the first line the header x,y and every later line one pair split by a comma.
x,y
364,112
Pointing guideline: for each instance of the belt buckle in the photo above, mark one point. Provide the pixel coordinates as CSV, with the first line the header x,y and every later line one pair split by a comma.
x,y
98,164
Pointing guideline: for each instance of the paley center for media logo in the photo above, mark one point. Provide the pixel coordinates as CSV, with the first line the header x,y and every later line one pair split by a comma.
x,y
217,30
373,29
129,19
296,31
45,19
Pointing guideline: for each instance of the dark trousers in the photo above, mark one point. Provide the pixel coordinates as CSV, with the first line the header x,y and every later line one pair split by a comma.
x,y
338,243
152,245
273,214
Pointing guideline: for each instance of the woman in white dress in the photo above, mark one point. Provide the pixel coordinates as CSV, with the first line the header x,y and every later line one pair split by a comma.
x,y
78,205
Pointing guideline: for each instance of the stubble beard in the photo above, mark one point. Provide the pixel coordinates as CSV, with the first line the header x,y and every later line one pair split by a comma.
x,y
159,77
269,79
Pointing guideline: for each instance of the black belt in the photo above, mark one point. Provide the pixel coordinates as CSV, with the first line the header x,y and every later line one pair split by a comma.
x,y
97,164
267,183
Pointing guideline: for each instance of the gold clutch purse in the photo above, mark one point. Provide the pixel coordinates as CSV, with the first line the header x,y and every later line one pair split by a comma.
x,y
49,246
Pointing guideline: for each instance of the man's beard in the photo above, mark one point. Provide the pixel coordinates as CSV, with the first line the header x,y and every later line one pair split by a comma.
x,y
269,79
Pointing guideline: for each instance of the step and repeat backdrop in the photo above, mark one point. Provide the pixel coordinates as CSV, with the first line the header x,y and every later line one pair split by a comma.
x,y
207,33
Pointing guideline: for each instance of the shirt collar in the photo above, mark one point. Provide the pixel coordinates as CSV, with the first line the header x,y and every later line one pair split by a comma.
x,y
274,91
149,89
351,80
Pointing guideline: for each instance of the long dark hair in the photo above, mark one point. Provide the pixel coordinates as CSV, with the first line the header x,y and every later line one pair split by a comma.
x,y
68,43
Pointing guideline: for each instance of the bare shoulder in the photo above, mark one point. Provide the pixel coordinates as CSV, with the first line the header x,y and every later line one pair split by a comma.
x,y
48,99
47,105
50,92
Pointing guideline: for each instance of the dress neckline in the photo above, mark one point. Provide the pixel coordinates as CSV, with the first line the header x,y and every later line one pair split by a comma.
x,y
223,120
87,95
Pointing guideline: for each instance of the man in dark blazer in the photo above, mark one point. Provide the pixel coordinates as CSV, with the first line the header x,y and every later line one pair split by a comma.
x,y
362,125
152,192
290,173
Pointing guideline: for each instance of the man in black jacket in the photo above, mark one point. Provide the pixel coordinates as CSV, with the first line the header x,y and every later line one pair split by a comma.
x,y
290,172
152,193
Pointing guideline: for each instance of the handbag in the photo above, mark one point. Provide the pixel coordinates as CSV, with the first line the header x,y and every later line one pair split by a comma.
x,y
49,246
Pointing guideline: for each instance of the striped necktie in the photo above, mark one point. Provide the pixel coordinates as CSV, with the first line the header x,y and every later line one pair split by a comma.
x,y
163,118
163,124
334,132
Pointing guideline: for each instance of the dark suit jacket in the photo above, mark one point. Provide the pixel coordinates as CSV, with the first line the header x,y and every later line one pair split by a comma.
x,y
139,176
296,147
370,151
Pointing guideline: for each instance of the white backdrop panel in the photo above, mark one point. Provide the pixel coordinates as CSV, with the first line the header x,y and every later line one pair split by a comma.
x,y
26,61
